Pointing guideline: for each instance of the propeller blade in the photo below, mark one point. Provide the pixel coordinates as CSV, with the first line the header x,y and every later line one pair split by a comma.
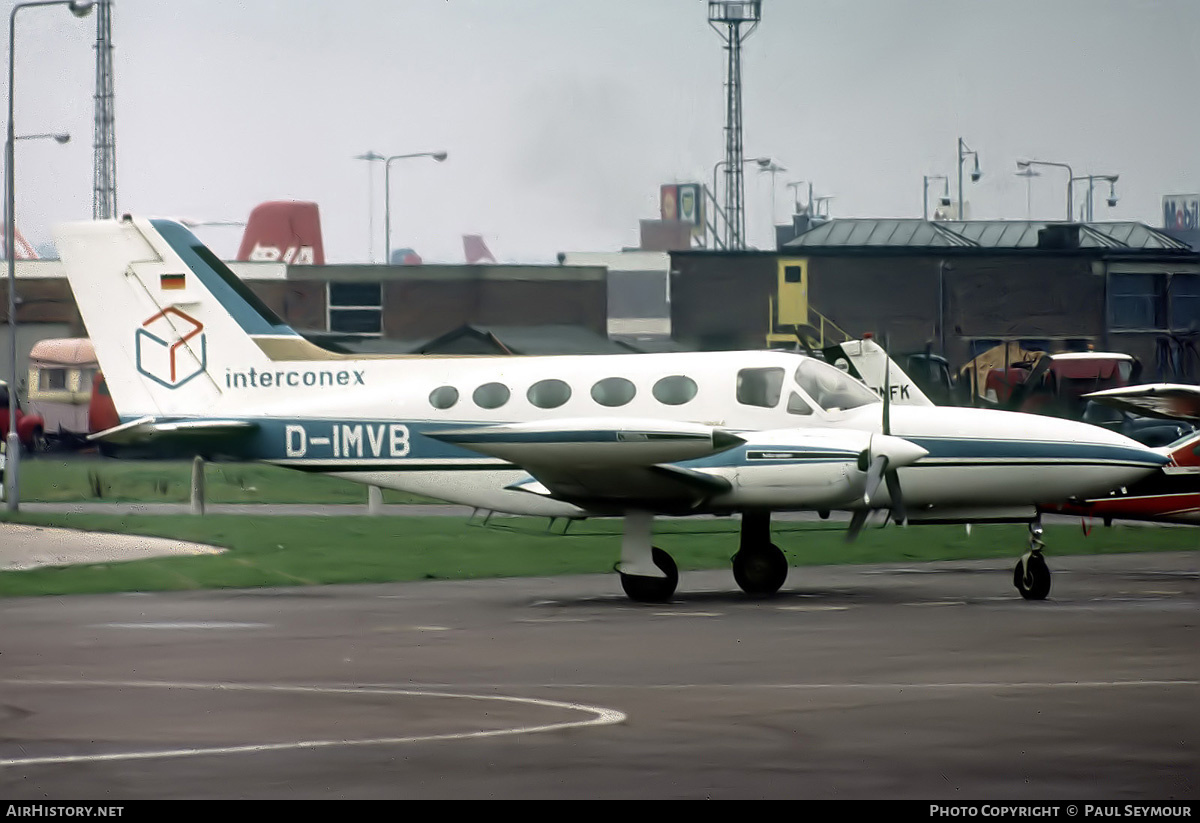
x,y
857,521
899,514
874,476
887,389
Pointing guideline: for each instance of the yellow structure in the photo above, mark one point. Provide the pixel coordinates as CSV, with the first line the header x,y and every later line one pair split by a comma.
x,y
791,315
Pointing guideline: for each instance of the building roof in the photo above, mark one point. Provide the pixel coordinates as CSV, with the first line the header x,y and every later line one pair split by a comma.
x,y
983,234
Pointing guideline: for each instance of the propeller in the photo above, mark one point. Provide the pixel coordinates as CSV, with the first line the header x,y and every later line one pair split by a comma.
x,y
883,455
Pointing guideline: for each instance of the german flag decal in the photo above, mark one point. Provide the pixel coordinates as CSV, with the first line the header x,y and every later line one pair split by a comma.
x,y
172,281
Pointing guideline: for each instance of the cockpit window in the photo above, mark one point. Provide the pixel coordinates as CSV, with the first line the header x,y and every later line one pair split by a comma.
x,y
760,387
831,389
796,404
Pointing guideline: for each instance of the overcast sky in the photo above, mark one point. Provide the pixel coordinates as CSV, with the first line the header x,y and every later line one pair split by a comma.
x,y
563,117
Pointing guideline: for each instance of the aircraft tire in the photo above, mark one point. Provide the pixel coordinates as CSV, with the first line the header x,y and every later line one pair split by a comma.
x,y
761,572
1032,578
653,589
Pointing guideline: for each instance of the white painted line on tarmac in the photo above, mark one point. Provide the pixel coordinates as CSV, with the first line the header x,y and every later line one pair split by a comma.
x,y
208,624
600,717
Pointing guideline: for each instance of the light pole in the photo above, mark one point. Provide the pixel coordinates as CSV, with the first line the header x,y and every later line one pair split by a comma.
x,y
1092,178
387,196
963,151
763,162
1025,164
772,168
795,185
370,156
925,193
79,9
1028,174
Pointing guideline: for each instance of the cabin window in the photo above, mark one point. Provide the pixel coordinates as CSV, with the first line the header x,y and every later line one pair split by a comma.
x,y
491,395
443,397
674,390
830,388
549,394
760,387
797,405
613,391
356,308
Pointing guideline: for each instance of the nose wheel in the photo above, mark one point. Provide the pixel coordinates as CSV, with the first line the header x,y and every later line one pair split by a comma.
x,y
1031,575
645,589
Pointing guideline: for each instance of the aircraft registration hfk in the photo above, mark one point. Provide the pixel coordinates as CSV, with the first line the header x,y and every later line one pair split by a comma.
x,y
635,435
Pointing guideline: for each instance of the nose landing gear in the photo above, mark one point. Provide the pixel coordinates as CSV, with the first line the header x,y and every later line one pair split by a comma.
x,y
1031,575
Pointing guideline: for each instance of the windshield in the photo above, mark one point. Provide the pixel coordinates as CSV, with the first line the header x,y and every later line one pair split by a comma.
x,y
830,388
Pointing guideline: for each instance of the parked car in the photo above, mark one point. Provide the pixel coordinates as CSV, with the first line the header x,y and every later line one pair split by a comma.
x,y
31,428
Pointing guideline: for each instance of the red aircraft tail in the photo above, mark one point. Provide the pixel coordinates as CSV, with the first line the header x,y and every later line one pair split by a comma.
x,y
284,230
475,250
1186,453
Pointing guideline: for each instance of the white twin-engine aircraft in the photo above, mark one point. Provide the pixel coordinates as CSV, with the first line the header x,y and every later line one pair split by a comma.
x,y
192,356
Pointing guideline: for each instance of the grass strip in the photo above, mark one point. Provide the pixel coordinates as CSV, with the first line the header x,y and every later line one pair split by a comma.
x,y
269,551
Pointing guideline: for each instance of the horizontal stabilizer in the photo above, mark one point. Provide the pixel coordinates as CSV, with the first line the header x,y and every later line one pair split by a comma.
x,y
150,430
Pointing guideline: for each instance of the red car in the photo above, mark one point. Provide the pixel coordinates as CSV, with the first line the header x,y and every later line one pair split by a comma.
x,y
31,428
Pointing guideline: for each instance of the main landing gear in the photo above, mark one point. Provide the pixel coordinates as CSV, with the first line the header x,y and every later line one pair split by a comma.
x,y
759,567
649,575
1032,575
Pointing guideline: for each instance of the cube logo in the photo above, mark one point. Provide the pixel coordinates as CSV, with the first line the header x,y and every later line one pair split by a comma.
x,y
171,348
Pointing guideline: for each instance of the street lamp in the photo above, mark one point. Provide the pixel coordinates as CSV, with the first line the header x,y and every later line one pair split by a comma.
x,y
59,137
79,9
763,163
945,200
387,196
1025,164
1028,174
963,151
370,156
1092,178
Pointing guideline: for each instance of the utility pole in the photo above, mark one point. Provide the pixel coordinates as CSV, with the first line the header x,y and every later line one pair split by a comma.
x,y
726,18
104,166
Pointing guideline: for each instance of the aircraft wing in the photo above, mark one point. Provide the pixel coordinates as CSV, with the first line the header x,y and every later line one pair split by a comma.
x,y
604,462
1171,401
149,430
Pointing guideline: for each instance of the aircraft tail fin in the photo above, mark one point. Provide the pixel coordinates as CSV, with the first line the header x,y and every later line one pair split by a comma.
x,y
284,230
475,250
1184,453
867,360
173,328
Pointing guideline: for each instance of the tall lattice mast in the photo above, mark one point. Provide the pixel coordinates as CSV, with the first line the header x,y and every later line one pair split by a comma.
x,y
104,175
732,14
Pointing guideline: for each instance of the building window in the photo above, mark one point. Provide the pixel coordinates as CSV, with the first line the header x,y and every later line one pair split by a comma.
x,y
1137,301
1185,302
356,308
